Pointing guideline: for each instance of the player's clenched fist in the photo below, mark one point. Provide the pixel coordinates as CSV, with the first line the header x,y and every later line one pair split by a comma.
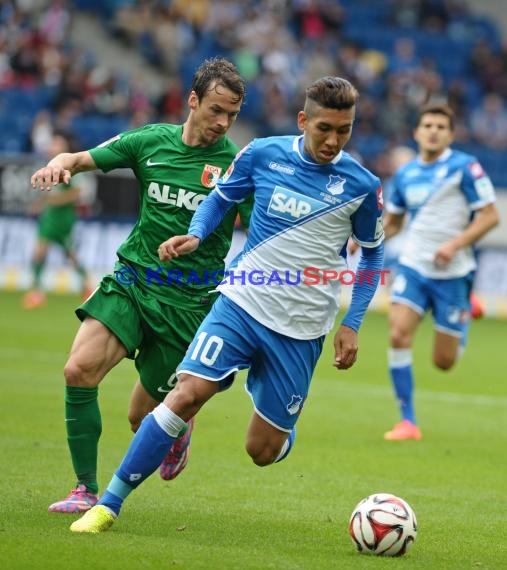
x,y
176,246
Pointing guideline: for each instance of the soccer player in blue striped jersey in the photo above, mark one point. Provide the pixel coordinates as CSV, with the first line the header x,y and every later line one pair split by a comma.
x,y
281,296
450,202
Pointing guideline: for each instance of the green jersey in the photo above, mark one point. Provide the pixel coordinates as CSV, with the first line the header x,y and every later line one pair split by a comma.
x,y
174,179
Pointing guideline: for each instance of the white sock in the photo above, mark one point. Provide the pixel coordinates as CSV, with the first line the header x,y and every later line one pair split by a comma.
x,y
399,357
168,420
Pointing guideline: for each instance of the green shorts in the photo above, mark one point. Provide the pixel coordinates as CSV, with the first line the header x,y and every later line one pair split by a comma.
x,y
156,335
56,227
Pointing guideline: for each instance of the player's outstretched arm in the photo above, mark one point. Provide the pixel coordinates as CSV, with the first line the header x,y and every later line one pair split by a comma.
x,y
176,246
393,224
61,168
485,220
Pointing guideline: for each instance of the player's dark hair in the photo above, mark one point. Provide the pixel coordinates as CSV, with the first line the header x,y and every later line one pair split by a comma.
x,y
218,71
330,93
436,109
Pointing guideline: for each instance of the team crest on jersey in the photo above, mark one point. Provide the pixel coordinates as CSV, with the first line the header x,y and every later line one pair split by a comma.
x,y
210,175
294,405
335,185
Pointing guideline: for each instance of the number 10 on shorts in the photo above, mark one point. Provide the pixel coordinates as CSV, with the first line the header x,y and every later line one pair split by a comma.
x,y
207,348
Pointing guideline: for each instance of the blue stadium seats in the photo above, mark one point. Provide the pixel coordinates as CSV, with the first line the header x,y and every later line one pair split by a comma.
x,y
93,129
368,23
18,107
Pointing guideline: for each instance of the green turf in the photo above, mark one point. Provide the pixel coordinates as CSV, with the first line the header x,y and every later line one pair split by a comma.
x,y
225,513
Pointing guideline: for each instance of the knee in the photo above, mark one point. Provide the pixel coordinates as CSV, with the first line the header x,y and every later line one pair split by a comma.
x,y
261,455
184,393
444,362
76,374
399,338
189,394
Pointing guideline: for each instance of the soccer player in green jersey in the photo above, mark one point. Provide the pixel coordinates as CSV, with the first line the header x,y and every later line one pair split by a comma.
x,y
143,310
55,226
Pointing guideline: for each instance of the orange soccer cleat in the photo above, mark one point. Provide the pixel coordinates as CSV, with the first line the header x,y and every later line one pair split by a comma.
x,y
34,299
402,431
477,308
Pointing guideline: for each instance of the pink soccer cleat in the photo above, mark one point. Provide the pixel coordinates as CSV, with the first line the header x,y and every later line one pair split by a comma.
x,y
175,461
79,501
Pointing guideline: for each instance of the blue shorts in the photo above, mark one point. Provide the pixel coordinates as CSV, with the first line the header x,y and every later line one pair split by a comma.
x,y
281,368
448,299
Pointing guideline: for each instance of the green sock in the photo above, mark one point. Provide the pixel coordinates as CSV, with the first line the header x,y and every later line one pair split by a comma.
x,y
37,267
81,271
84,426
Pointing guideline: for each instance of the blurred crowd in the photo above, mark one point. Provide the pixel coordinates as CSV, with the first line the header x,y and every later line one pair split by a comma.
x,y
279,46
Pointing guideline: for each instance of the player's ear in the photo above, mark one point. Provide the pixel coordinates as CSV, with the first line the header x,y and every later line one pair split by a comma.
x,y
193,100
302,119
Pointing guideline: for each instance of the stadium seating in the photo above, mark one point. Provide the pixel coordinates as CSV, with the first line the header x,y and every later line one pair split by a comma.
x,y
368,24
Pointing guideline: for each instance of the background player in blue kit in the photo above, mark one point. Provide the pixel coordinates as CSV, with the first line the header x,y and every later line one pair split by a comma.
x,y
309,198
450,202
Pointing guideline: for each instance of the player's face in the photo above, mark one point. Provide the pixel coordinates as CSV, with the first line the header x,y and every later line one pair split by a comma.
x,y
433,134
213,115
326,132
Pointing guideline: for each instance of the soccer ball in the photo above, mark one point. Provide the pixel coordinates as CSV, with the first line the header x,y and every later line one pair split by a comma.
x,y
383,524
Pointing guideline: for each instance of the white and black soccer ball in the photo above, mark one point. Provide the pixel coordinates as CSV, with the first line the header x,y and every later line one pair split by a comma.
x,y
383,524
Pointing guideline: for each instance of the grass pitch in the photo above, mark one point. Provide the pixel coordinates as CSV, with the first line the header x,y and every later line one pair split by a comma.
x,y
225,513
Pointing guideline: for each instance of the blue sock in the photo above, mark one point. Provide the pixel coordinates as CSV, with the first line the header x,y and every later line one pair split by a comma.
x,y
464,336
150,445
287,446
117,491
400,369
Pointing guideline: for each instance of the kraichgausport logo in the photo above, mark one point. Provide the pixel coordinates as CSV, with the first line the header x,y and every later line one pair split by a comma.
x,y
163,277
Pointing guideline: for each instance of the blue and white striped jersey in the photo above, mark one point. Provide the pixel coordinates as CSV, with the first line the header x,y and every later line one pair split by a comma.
x,y
440,198
303,215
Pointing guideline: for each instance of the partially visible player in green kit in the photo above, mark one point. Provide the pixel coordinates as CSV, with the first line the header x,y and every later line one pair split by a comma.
x,y
55,226
142,310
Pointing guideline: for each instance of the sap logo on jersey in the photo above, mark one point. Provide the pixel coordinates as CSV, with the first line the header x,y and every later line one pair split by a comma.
x,y
417,194
182,198
292,206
